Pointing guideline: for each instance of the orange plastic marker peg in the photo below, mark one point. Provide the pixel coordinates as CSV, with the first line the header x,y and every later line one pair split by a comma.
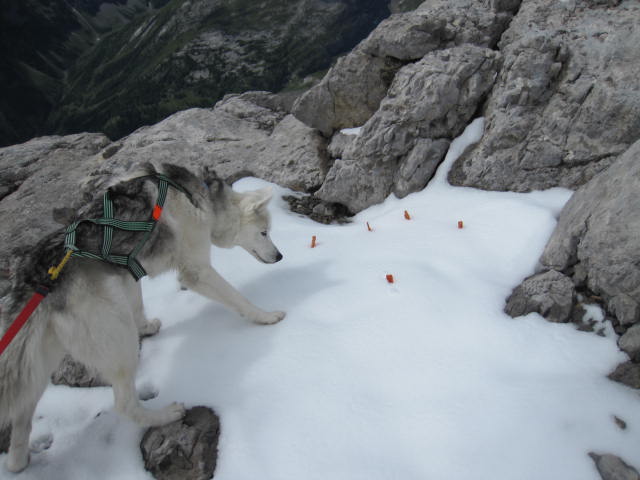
x,y
369,227
460,224
389,278
406,215
313,242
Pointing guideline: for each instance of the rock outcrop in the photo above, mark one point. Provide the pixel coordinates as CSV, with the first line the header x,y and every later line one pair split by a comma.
x,y
183,450
248,134
612,467
551,294
353,89
567,101
428,72
594,249
596,239
400,146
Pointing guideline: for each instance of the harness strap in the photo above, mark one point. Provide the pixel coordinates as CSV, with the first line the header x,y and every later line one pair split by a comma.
x,y
109,222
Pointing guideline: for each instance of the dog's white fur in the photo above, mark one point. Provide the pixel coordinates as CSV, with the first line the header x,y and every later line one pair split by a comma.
x,y
102,315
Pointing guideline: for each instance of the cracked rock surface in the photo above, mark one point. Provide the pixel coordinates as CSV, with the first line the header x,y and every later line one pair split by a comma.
x,y
567,101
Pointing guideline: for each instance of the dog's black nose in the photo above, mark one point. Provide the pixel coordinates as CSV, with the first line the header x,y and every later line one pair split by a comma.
x,y
278,257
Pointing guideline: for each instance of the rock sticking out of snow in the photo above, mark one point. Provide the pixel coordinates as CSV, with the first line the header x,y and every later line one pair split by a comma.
x,y
183,450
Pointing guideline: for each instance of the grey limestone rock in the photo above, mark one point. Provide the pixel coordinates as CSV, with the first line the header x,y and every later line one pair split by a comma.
x,y
417,168
248,134
629,342
352,90
338,144
612,467
75,374
627,373
348,94
551,294
597,236
567,101
429,103
183,450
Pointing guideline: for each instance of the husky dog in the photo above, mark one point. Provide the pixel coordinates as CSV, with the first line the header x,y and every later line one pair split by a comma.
x,y
94,310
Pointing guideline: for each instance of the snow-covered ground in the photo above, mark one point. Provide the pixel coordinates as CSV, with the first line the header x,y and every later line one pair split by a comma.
x,y
423,378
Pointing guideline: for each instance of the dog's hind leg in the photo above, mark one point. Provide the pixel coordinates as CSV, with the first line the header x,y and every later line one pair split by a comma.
x,y
18,457
115,355
43,363
127,403
103,333
146,327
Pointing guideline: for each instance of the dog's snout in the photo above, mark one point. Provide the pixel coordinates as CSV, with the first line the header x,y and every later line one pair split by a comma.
x,y
278,257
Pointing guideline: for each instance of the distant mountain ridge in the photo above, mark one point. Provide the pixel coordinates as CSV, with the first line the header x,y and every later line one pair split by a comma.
x,y
115,65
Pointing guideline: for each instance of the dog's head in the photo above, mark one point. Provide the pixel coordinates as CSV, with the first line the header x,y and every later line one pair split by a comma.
x,y
255,224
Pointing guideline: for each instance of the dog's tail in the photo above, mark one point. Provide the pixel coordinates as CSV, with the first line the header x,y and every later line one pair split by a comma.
x,y
25,365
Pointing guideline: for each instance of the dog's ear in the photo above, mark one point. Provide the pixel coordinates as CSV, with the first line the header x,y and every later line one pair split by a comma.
x,y
256,200
263,197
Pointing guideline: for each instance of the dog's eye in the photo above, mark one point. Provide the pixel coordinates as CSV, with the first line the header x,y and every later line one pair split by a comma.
x,y
264,234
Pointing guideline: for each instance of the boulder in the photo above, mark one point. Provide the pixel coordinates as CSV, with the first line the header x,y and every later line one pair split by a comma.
x,y
37,177
567,101
612,467
353,88
416,169
596,239
629,342
338,144
248,134
183,450
76,374
551,294
348,94
429,103
627,373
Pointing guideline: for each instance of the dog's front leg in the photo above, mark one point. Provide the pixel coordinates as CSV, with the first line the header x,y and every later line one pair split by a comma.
x,y
206,281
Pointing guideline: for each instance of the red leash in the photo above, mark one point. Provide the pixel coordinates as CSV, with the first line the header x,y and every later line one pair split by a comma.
x,y
22,317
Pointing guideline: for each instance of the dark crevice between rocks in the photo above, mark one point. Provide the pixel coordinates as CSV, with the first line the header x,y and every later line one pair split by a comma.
x,y
513,11
5,436
6,190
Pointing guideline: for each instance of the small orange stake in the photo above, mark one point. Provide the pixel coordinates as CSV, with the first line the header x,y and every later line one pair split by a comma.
x,y
369,227
313,242
406,215
389,278
460,224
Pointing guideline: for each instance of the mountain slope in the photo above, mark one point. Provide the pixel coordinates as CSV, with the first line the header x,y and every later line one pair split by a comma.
x,y
39,42
193,53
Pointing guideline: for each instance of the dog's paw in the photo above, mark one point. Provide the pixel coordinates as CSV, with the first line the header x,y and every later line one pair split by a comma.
x,y
41,443
174,412
17,463
150,327
269,318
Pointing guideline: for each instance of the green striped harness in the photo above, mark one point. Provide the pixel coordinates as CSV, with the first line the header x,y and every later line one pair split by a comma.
x,y
109,223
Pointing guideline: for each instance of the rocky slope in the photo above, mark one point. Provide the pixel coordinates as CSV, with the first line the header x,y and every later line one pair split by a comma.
x,y
568,96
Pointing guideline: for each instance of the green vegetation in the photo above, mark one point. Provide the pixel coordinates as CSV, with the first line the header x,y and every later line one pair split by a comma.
x,y
179,56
